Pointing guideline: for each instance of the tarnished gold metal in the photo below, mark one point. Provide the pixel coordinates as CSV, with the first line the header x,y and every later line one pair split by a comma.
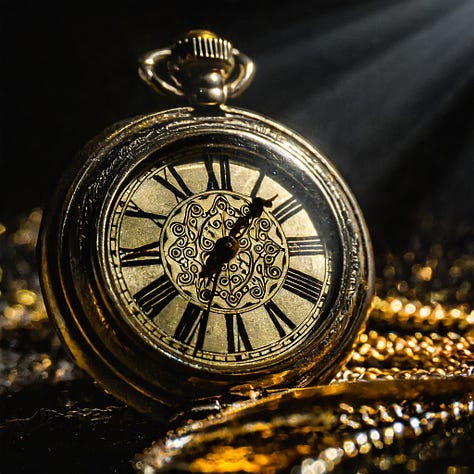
x,y
201,66
128,244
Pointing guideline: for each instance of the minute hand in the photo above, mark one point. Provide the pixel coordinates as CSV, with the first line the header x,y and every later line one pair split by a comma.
x,y
226,248
255,210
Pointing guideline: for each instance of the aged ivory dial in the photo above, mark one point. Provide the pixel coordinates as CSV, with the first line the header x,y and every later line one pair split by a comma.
x,y
163,228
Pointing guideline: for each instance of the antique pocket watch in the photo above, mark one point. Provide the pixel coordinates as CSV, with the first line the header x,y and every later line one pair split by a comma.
x,y
206,250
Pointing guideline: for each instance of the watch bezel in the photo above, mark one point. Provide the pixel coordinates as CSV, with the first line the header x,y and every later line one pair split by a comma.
x,y
85,315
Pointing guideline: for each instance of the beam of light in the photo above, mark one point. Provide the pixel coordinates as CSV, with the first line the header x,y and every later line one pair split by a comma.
x,y
372,83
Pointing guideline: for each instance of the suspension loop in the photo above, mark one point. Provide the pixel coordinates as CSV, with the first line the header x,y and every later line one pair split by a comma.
x,y
151,70
202,67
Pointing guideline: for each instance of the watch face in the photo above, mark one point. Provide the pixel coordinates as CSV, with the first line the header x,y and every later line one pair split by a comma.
x,y
188,255
221,254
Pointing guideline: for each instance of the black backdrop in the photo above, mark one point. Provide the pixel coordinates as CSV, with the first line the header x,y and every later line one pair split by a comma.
x,y
383,88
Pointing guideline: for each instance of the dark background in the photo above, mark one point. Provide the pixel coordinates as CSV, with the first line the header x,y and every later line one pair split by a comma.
x,y
384,88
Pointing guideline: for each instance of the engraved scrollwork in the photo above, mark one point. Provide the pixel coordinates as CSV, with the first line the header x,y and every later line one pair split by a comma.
x,y
247,281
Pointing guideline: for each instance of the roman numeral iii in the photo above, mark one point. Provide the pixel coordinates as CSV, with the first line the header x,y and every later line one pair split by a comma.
x,y
305,246
303,285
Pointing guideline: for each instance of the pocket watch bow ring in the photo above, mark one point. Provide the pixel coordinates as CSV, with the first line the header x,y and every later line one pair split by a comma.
x,y
197,250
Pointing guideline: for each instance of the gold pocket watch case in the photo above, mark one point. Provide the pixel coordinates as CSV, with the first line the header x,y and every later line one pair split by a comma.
x,y
200,251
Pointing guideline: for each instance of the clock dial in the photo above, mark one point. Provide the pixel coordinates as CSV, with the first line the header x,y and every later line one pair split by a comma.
x,y
204,250
184,294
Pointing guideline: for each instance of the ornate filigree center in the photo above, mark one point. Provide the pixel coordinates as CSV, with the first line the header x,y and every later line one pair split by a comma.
x,y
251,278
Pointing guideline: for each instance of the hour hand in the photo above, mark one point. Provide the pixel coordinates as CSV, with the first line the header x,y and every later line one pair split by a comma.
x,y
224,250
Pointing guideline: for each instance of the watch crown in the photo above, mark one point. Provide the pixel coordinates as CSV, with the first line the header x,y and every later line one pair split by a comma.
x,y
203,47
201,63
201,66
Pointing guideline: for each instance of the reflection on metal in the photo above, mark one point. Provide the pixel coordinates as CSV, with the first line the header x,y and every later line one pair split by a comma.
x,y
403,402
381,424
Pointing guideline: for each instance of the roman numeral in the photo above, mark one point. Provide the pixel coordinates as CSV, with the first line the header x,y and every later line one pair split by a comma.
x,y
305,246
192,319
237,336
224,168
286,210
257,184
279,318
212,180
155,296
148,254
134,211
303,285
225,173
181,191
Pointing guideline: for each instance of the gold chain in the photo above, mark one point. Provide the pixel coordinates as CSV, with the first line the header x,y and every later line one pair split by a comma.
x,y
421,329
